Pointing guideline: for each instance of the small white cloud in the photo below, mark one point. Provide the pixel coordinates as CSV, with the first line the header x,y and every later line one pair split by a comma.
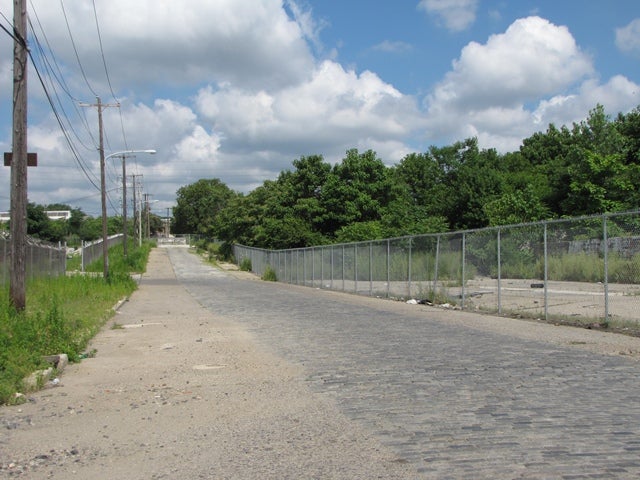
x,y
628,37
310,26
392,47
456,14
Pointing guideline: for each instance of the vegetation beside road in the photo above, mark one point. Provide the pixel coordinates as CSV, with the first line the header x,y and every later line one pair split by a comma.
x,y
63,314
587,168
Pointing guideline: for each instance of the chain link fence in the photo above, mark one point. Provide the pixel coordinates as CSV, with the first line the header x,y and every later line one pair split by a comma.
x,y
584,269
42,259
92,251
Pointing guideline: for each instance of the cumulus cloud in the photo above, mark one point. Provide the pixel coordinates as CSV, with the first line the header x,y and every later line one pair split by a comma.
x,y
247,43
233,90
628,37
532,58
457,15
507,88
335,107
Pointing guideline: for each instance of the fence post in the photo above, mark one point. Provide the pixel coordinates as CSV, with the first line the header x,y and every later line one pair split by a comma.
x,y
605,237
371,269
388,267
464,247
409,266
499,273
546,275
355,267
343,267
331,267
435,268
321,267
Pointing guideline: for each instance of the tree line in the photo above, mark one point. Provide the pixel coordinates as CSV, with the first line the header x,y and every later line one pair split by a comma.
x,y
77,228
589,168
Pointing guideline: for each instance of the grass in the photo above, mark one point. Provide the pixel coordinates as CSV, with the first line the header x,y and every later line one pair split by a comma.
x,y
269,274
62,315
245,264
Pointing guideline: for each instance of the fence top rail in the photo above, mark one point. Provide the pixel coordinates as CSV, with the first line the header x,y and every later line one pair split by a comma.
x,y
36,242
457,232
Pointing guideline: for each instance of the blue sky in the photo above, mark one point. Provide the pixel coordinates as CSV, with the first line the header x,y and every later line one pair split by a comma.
x,y
237,90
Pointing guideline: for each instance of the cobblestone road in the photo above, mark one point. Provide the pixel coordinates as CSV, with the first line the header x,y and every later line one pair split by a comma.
x,y
454,402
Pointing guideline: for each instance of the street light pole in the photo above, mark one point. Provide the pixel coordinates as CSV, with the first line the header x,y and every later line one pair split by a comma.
x,y
105,249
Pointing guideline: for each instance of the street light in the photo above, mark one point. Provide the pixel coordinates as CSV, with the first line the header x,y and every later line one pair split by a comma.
x,y
105,247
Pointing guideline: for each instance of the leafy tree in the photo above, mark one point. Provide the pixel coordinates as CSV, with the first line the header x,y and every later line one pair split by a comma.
x,y
519,206
197,206
548,155
91,229
37,221
360,231
235,221
356,190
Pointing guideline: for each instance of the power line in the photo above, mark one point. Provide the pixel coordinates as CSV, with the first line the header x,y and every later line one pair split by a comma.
x,y
51,75
106,72
54,109
61,81
73,43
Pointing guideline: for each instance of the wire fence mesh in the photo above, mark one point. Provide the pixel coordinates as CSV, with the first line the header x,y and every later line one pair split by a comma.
x,y
92,251
585,269
42,259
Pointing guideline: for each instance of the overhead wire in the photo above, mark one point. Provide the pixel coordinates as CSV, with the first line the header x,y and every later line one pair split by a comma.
x,y
106,72
62,82
50,76
75,49
55,109
13,33
60,123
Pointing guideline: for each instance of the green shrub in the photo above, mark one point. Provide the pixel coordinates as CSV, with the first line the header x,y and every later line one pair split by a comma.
x,y
213,249
245,264
269,275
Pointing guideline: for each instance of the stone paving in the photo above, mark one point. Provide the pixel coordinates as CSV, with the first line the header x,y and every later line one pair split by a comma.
x,y
453,402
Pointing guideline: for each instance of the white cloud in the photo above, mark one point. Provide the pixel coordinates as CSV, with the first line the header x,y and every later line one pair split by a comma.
x,y
456,14
388,46
518,82
619,94
181,43
333,110
628,37
532,58
248,95
310,27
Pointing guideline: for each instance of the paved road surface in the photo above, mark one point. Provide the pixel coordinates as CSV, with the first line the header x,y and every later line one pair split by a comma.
x,y
217,377
454,402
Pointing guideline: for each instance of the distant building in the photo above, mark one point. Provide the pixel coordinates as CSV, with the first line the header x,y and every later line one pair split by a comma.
x,y
52,214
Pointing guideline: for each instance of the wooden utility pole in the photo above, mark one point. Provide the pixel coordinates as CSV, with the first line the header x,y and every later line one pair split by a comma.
x,y
103,197
103,187
136,211
148,214
18,228
124,205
